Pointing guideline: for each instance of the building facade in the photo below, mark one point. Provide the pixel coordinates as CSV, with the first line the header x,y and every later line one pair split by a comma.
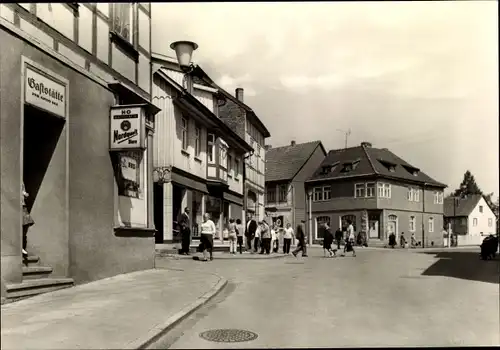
x,y
287,169
197,157
70,78
379,192
243,120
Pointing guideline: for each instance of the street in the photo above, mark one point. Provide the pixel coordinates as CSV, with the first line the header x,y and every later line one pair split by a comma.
x,y
379,298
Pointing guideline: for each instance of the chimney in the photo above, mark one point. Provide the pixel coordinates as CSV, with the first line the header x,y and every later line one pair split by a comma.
x,y
292,143
239,94
268,147
366,144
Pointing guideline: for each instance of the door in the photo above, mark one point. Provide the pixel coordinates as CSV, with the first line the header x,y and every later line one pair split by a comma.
x,y
373,226
392,228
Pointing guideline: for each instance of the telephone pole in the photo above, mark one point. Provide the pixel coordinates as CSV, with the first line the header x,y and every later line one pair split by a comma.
x,y
346,133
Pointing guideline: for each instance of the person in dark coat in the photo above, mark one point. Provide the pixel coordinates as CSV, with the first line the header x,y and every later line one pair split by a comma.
x,y
301,238
327,240
250,231
338,237
392,240
185,225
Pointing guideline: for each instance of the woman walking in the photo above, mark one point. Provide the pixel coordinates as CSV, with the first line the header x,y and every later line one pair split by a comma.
x,y
232,236
349,246
287,238
239,234
27,221
207,236
327,241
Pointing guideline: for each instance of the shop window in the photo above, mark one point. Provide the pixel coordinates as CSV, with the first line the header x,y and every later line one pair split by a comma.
x,y
128,173
210,147
320,220
123,17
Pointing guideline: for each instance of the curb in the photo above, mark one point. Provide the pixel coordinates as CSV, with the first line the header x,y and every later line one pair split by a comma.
x,y
248,257
159,330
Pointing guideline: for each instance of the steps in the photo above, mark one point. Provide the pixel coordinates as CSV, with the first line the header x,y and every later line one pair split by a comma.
x,y
36,281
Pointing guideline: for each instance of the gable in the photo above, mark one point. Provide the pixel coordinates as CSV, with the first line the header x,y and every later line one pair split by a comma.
x,y
283,163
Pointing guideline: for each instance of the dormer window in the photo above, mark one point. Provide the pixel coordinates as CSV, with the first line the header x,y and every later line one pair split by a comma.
x,y
388,165
329,168
412,170
349,166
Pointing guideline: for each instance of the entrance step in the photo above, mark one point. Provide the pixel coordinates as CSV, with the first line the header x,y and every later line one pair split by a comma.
x,y
34,272
31,260
34,287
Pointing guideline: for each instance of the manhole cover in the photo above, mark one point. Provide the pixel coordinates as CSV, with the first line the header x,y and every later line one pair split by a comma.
x,y
228,335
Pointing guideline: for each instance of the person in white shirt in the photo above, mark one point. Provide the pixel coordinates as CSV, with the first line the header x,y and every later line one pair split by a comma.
x,y
349,239
287,238
257,238
232,236
207,236
274,234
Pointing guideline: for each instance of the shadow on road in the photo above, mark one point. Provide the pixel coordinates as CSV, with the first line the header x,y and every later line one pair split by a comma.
x,y
464,265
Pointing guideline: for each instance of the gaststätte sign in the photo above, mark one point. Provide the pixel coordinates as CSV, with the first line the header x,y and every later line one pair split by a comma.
x,y
127,127
44,92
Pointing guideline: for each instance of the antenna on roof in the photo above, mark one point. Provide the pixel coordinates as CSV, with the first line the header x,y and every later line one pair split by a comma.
x,y
346,133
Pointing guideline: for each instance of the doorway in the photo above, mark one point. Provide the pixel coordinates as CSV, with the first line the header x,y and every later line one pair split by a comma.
x,y
41,135
392,226
177,197
158,211
373,226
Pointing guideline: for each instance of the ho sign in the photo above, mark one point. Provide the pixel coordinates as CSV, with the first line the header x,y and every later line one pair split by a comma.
x,y
127,125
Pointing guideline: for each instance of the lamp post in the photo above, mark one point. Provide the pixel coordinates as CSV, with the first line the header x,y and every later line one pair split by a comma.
x,y
184,52
310,194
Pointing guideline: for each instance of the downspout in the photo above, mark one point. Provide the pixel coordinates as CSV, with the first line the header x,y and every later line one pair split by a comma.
x,y
423,222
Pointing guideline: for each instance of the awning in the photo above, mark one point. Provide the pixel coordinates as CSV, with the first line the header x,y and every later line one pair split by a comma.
x,y
132,97
232,198
189,183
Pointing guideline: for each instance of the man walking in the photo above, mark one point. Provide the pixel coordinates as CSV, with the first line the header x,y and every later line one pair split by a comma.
x,y
185,224
301,238
265,233
250,231
287,238
338,237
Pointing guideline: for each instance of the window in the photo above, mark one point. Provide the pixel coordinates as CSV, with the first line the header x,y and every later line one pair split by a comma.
x,y
474,222
413,194
480,208
283,193
229,164
236,167
222,155
490,222
370,190
410,194
320,220
431,224
271,194
184,131
384,190
413,224
318,194
197,141
123,15
346,218
129,170
210,147
359,190
327,193
438,197
257,158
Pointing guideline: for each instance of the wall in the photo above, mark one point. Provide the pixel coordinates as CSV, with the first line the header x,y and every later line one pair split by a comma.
x,y
206,98
235,182
482,220
94,251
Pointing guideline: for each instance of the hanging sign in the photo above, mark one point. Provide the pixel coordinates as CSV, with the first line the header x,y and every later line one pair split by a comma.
x,y
44,92
126,127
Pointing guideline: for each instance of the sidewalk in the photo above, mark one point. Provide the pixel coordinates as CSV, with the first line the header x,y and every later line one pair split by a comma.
x,y
121,312
223,255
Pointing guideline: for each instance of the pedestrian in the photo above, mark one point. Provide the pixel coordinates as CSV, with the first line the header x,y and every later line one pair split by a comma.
x,y
232,236
265,233
250,229
184,223
208,231
413,241
349,246
338,237
301,239
27,220
327,241
287,238
402,240
392,240
257,242
275,238
239,235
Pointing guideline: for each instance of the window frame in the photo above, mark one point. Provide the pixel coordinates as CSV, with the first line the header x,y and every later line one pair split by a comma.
x,y
211,148
358,187
370,186
384,190
327,189
197,140
412,223
474,222
229,163
132,23
236,167
481,209
317,194
431,224
438,197
271,190
184,133
283,193
490,222
223,152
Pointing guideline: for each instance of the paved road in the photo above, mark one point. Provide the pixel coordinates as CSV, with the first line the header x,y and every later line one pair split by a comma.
x,y
379,298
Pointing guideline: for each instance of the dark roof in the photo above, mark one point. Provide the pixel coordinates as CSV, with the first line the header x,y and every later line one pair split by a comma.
x,y
463,206
283,163
368,161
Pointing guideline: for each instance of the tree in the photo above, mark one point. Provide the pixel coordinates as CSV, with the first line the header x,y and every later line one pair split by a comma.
x,y
468,186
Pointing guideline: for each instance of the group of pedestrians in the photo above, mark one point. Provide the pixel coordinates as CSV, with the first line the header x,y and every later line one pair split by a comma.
x,y
329,238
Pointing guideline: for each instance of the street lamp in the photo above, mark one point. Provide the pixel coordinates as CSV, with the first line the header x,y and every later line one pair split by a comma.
x,y
310,194
184,51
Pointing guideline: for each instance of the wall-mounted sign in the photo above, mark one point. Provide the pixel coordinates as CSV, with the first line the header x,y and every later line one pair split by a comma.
x,y
44,92
127,127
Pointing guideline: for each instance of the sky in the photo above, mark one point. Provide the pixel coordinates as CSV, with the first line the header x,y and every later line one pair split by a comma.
x,y
419,78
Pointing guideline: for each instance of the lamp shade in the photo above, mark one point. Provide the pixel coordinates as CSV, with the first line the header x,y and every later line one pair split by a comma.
x,y
184,51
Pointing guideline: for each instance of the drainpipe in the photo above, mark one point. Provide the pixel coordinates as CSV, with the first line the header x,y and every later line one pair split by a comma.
x,y
423,222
